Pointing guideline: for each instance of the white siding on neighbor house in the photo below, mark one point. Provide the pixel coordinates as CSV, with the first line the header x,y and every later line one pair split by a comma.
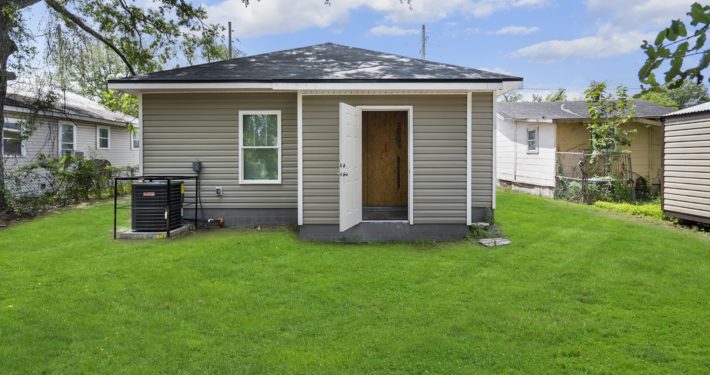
x,y
180,128
686,173
119,152
44,139
515,163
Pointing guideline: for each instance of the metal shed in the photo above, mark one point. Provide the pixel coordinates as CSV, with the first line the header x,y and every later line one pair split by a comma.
x,y
686,164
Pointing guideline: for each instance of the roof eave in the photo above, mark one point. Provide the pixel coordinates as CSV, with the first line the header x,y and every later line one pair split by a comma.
x,y
500,86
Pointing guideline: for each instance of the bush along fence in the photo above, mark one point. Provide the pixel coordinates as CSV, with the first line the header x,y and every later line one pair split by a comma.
x,y
586,178
59,181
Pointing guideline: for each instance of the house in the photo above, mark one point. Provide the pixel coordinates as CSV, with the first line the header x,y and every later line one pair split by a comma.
x,y
346,143
529,136
73,124
686,164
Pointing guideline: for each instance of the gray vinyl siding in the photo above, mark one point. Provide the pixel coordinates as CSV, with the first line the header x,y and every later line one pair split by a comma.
x,y
482,150
439,156
687,165
179,128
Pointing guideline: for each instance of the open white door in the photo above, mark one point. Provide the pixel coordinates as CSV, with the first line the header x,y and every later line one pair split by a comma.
x,y
350,166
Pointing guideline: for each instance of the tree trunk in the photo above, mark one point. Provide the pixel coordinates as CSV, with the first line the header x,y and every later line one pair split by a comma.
x,y
7,48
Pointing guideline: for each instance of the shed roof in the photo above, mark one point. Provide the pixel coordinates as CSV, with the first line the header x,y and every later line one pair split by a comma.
x,y
569,110
68,104
705,107
326,62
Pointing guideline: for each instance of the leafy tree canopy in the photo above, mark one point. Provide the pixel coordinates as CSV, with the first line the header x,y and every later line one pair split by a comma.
x,y
679,46
686,95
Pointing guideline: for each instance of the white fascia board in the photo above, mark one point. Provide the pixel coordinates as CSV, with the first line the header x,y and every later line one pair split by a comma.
x,y
312,86
509,86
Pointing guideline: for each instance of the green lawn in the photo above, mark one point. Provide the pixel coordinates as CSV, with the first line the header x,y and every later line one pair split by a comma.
x,y
579,290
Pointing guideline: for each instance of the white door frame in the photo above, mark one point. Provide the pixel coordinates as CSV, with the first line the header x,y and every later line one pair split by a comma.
x,y
410,147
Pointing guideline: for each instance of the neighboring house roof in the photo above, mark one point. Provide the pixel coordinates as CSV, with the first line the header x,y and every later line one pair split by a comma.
x,y
705,107
322,63
571,110
69,105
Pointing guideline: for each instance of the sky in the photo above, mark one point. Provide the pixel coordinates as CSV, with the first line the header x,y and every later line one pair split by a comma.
x,y
550,43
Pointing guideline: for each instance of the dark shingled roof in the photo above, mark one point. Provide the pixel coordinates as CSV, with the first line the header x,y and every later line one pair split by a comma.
x,y
569,110
322,63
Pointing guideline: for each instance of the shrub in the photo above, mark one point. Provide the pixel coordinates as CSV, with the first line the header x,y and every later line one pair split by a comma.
x,y
51,182
652,210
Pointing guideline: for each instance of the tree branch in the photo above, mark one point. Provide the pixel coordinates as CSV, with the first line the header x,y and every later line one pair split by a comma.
x,y
59,8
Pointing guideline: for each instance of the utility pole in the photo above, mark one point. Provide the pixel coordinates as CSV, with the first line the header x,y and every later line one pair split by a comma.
x,y
423,42
229,32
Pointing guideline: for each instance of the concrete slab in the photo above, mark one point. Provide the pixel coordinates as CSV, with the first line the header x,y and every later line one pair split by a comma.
x,y
130,235
492,242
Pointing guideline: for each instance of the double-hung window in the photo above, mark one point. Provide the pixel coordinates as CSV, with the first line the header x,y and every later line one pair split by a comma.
x,y
532,141
12,139
103,138
259,147
67,138
135,140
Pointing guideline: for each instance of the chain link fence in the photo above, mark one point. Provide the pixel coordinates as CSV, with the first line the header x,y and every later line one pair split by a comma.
x,y
586,178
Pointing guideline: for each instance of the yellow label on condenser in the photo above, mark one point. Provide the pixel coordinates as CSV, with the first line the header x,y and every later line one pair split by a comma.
x,y
182,188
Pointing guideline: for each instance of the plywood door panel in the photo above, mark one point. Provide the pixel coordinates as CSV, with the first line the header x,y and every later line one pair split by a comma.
x,y
385,158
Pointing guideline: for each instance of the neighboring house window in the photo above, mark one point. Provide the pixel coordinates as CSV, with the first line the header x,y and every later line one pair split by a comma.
x,y
135,140
260,147
12,139
532,140
67,139
103,138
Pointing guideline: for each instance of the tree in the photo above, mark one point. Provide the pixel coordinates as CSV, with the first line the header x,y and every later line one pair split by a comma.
x,y
659,96
143,39
557,96
676,36
608,112
689,94
513,97
686,95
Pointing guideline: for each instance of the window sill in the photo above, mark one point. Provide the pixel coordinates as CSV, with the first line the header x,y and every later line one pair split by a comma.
x,y
261,182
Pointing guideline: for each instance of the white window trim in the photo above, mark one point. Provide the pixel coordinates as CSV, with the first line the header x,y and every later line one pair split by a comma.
x,y
138,135
98,138
278,147
59,137
537,140
23,143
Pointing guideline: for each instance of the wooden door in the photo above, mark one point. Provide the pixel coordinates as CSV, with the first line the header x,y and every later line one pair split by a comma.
x,y
385,164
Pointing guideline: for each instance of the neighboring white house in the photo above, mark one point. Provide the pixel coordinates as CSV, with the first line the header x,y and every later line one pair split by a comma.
x,y
74,125
529,135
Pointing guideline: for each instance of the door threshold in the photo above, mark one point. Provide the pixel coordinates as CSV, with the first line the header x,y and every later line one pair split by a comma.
x,y
385,221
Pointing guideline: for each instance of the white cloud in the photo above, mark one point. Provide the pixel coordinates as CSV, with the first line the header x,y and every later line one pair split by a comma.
x,y
624,25
592,47
382,30
284,16
517,30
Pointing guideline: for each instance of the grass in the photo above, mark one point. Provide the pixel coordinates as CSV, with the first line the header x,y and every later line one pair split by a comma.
x,y
579,290
652,210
